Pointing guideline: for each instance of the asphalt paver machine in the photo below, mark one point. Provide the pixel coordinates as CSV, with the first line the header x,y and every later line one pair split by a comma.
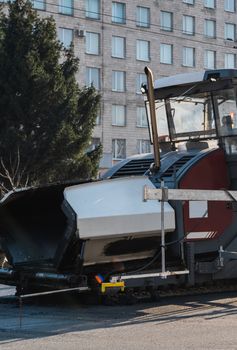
x,y
108,234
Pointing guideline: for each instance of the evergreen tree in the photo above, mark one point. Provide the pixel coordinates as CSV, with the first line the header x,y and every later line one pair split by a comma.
x,y
46,120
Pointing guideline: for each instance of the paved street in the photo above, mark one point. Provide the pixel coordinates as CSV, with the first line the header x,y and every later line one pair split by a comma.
x,y
197,322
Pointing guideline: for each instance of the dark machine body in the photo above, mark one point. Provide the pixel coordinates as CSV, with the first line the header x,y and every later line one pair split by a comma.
x,y
50,245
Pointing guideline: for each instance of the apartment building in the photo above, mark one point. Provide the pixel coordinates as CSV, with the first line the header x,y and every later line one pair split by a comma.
x,y
115,40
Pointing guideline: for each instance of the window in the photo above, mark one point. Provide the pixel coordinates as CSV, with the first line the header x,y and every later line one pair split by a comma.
x,y
230,5
93,9
66,7
210,59
166,53
141,117
93,77
166,21
118,47
141,79
95,142
118,12
230,60
188,56
210,4
38,4
229,31
143,146
143,16
119,148
189,2
118,81
92,43
143,50
188,25
118,115
65,36
210,28
98,118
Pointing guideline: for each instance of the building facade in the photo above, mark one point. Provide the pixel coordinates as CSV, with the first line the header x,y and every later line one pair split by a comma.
x,y
115,40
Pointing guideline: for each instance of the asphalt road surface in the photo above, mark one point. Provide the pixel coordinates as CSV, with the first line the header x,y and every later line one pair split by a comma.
x,y
187,322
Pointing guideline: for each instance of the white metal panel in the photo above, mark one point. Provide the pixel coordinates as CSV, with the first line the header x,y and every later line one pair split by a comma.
x,y
198,209
179,79
111,208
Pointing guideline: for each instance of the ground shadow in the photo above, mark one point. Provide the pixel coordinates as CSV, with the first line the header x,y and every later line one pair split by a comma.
x,y
48,316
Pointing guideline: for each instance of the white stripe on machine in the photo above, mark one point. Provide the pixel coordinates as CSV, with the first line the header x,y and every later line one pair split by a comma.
x,y
201,234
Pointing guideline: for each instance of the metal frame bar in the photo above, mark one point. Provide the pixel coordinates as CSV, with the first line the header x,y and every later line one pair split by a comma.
x,y
154,129
189,195
149,275
57,291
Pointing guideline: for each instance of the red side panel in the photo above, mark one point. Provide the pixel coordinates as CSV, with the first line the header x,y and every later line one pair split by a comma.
x,y
208,173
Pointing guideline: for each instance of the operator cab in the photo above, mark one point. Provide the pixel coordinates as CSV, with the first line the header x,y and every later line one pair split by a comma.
x,y
196,110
